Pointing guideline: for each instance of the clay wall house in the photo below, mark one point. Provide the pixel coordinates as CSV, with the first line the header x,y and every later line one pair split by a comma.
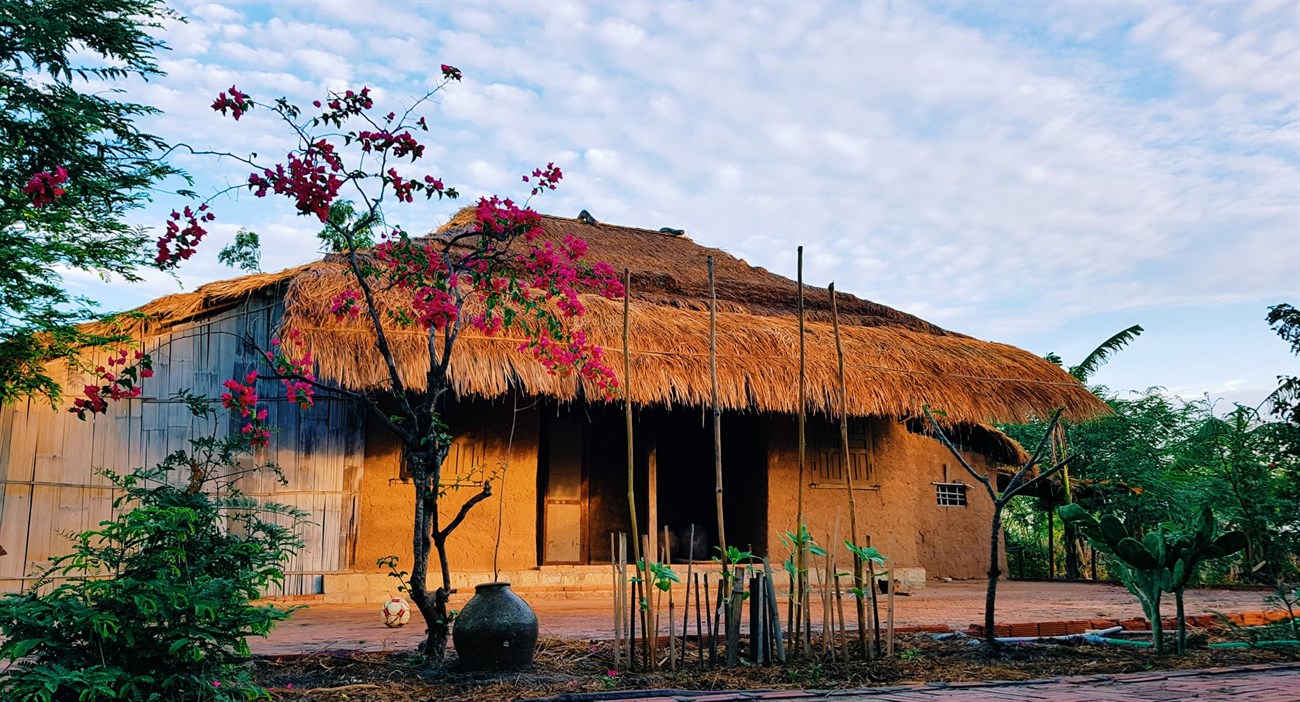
x,y
564,488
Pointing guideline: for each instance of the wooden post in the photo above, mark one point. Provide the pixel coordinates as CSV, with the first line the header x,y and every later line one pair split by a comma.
x,y
672,625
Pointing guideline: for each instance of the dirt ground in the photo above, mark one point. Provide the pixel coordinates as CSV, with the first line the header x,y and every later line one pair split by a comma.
x,y
564,667
958,605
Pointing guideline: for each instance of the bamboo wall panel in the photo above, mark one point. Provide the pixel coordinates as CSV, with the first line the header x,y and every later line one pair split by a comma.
x,y
49,460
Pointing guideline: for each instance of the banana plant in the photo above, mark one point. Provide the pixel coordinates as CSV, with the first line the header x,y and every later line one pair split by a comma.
x,y
1163,561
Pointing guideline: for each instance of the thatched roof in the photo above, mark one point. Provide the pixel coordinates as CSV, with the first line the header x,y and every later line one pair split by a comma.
x,y
896,363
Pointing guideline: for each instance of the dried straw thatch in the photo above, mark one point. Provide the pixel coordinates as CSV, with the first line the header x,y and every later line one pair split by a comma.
x,y
896,363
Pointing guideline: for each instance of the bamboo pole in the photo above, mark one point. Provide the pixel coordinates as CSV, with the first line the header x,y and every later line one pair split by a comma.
x,y
839,605
618,624
649,611
801,558
774,612
627,412
848,468
623,595
633,606
717,413
890,639
686,605
672,626
708,631
699,631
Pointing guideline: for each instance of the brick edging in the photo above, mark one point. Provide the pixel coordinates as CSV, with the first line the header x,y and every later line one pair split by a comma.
x,y
1079,626
750,695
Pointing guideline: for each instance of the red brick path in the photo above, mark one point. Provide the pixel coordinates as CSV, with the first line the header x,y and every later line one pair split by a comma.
x,y
1258,683
944,605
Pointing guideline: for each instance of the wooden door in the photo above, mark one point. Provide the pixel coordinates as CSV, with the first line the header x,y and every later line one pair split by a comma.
x,y
563,502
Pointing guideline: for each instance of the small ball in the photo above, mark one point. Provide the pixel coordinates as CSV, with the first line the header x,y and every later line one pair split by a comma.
x,y
396,612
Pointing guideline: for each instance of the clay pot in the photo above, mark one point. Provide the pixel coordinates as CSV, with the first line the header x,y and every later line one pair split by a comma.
x,y
496,631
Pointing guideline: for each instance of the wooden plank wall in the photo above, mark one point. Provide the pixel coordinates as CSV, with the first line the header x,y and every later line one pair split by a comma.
x,y
49,486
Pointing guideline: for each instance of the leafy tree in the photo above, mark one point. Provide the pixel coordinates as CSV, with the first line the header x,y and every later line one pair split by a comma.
x,y
1285,400
493,275
155,604
1082,372
1249,470
72,164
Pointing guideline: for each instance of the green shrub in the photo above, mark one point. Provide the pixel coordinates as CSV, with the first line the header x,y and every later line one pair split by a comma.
x,y
156,603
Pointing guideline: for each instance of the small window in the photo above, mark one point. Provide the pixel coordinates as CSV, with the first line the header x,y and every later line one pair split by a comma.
x,y
828,463
950,494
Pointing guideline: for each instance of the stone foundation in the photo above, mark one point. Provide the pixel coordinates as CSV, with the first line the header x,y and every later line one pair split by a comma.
x,y
550,582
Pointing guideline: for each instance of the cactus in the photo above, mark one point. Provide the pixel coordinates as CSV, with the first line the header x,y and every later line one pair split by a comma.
x,y
1161,562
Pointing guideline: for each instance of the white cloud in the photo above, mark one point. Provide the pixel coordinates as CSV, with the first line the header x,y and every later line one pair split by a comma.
x,y
1003,168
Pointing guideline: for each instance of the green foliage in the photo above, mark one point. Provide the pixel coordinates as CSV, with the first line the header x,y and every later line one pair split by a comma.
x,y
402,577
1159,459
1098,357
869,555
155,604
345,222
1162,561
1285,400
56,59
244,253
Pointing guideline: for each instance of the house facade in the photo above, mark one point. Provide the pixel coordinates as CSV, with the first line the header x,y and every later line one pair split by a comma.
x,y
556,460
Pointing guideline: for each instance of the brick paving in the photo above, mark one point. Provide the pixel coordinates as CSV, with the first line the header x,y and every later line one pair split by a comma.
x,y
1254,683
956,605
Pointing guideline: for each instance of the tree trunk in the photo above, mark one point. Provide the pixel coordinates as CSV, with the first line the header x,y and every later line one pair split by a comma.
x,y
1071,539
990,598
1182,622
432,604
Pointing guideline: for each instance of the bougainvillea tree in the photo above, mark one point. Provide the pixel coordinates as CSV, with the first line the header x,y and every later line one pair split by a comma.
x,y
499,273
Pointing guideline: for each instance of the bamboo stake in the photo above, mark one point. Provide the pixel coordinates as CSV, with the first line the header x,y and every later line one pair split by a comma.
x,y
672,626
774,612
686,605
699,633
831,550
828,612
618,624
627,411
708,632
848,468
801,558
839,605
875,606
623,594
892,583
649,613
718,618
717,412
631,622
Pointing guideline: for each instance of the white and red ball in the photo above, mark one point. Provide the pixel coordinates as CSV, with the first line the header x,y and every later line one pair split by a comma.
x,y
396,613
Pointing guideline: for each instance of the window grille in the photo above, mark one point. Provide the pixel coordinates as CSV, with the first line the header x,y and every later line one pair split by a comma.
x,y
950,494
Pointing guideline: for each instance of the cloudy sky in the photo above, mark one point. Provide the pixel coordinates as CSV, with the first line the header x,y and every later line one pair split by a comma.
x,y
1039,174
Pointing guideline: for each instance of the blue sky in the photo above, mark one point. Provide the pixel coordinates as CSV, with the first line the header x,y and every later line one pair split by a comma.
x,y
1038,174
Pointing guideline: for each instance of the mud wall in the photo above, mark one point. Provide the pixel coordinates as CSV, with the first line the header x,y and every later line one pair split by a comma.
x,y
482,432
899,512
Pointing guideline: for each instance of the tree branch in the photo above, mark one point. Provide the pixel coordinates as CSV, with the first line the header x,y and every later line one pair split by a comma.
x,y
943,438
1012,491
481,495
